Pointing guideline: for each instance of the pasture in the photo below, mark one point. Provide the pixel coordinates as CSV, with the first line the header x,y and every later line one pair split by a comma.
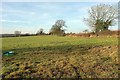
x,y
60,57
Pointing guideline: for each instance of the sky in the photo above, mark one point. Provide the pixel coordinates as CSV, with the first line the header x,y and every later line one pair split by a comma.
x,y
29,17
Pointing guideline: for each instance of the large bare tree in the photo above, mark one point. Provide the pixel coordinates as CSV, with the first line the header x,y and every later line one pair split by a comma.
x,y
101,17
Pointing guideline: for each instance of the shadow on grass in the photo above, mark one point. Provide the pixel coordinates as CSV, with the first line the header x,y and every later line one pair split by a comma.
x,y
60,48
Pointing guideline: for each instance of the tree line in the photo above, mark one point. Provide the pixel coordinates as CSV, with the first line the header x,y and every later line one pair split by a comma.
x,y
100,18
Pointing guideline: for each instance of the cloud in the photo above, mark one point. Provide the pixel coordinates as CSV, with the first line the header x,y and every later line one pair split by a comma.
x,y
44,15
73,21
11,21
60,0
13,11
10,11
1,10
32,13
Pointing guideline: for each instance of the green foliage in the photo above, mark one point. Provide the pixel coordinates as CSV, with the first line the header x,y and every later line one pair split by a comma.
x,y
57,28
86,31
100,25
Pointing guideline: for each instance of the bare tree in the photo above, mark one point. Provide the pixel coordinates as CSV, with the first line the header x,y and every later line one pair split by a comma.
x,y
40,31
101,17
60,23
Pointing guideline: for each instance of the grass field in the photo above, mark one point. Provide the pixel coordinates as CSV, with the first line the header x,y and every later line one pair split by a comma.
x,y
60,57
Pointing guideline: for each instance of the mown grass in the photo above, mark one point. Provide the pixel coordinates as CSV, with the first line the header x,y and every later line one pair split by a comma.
x,y
60,57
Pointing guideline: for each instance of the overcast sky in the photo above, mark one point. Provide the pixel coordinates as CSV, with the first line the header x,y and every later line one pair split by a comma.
x,y
28,17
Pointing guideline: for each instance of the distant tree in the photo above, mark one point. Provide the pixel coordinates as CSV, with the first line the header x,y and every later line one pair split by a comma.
x,y
40,32
57,28
101,17
27,34
17,33
86,31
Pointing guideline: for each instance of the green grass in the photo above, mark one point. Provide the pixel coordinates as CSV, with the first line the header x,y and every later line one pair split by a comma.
x,y
60,57
48,41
